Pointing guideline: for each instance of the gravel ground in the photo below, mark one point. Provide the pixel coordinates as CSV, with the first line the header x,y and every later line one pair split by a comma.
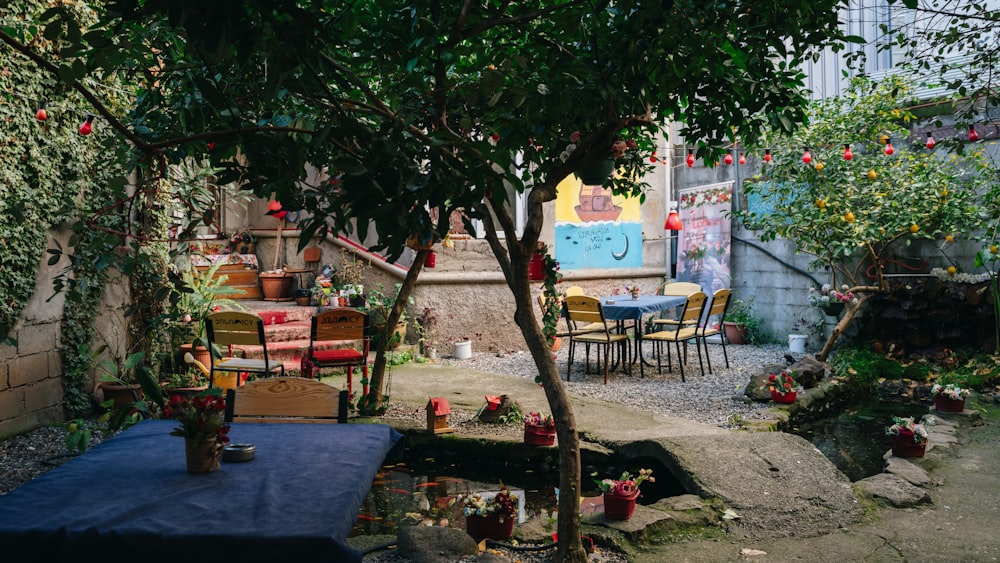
x,y
712,399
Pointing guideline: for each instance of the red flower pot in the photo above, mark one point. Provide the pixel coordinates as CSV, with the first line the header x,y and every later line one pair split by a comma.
x,y
786,398
489,526
539,435
903,446
618,507
536,267
944,403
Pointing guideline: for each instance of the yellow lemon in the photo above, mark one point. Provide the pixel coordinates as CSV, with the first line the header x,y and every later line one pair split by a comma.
x,y
821,203
952,270
872,175
949,239
914,228
849,217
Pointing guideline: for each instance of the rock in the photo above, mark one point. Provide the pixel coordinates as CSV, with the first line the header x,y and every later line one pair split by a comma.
x,y
507,405
434,544
490,557
908,471
758,388
894,490
811,371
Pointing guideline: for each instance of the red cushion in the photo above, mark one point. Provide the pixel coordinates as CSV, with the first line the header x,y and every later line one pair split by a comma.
x,y
344,355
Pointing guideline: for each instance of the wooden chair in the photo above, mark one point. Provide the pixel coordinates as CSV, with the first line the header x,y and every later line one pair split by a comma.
x,y
340,324
587,310
716,310
686,330
675,289
286,399
237,328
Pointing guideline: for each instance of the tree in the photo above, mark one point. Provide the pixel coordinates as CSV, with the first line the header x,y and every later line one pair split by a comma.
x,y
851,215
427,105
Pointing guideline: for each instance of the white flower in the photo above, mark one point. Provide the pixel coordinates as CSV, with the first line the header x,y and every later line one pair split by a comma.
x,y
543,89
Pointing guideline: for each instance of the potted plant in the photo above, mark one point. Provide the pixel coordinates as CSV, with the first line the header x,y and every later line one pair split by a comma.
x,y
741,323
426,326
378,305
539,430
202,427
828,299
490,517
783,386
909,439
186,383
949,397
197,295
620,494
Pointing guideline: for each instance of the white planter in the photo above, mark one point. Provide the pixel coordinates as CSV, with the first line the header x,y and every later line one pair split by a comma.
x,y
463,349
797,343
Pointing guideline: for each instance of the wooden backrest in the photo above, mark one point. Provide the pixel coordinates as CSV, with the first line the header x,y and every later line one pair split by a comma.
x,y
693,307
720,301
583,309
234,327
339,324
681,289
283,399
574,290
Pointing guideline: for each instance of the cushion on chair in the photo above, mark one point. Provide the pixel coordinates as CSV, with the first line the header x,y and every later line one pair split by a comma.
x,y
341,355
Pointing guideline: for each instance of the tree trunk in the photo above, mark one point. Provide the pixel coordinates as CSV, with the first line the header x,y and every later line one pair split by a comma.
x,y
849,311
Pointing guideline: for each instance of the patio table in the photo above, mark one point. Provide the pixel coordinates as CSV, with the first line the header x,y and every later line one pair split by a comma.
x,y
623,308
131,498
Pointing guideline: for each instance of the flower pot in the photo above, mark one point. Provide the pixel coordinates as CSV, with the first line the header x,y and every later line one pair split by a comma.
x,y
489,527
539,435
618,507
947,404
122,395
275,286
905,447
183,391
202,456
463,349
595,173
735,332
797,343
201,354
833,309
785,398
536,267
303,301
635,295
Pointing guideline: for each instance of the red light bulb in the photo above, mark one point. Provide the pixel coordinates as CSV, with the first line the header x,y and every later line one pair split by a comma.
x,y
888,148
40,113
87,126
767,155
973,136
930,141
806,157
728,159
743,159
848,155
690,159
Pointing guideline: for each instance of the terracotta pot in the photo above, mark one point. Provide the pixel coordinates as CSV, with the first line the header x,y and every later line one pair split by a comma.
x,y
200,353
539,435
122,395
275,286
783,398
489,527
735,332
904,447
617,507
202,456
947,404
183,391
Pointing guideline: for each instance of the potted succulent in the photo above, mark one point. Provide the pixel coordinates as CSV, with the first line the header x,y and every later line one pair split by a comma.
x,y
539,430
909,439
490,517
620,494
949,397
783,386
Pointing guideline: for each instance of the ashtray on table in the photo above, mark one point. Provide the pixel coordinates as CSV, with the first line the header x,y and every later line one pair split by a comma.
x,y
235,453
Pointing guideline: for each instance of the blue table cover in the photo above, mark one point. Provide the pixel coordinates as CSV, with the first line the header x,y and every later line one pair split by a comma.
x,y
625,308
130,498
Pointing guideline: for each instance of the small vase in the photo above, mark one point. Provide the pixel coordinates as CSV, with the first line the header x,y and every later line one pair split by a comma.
x,y
202,455
539,435
618,507
947,404
785,398
905,447
489,527
635,295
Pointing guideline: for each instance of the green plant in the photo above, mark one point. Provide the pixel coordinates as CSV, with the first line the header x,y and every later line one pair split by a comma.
x,y
744,313
187,378
626,485
197,295
783,383
378,305
79,434
426,326
512,416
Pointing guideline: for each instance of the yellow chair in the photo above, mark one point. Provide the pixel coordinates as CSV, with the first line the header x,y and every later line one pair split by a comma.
x,y
686,330
674,289
286,399
236,328
581,309
716,310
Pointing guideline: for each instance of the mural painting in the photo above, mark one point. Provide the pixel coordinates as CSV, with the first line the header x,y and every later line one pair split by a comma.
x,y
595,229
704,243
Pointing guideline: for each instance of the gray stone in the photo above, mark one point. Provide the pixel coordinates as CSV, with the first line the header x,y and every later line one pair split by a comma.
x,y
434,544
811,371
894,490
758,388
490,557
907,470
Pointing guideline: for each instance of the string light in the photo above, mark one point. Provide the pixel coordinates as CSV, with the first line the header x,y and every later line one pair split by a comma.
x,y
806,157
888,150
973,136
848,155
87,126
40,113
743,158
690,158
930,140
728,159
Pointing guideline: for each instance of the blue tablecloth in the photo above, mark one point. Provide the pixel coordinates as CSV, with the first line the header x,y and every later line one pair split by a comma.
x,y
131,498
625,308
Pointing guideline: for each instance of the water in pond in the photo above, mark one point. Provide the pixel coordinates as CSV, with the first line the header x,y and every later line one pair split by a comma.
x,y
856,441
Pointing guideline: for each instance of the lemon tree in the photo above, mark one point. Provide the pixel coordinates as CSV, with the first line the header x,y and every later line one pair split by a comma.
x,y
851,214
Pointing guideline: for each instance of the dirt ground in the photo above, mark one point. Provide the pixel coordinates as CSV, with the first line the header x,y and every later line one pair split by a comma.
x,y
961,524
